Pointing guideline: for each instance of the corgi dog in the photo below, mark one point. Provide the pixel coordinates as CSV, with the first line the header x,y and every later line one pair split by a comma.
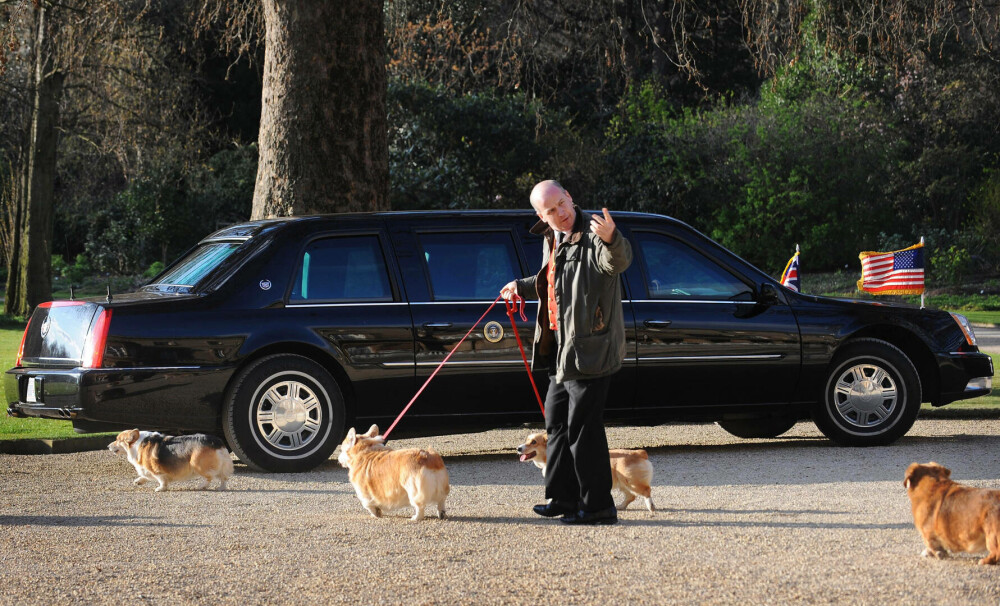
x,y
386,479
631,471
950,516
169,459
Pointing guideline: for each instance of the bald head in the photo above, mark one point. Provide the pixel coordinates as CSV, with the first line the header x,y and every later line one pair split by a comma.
x,y
554,205
546,190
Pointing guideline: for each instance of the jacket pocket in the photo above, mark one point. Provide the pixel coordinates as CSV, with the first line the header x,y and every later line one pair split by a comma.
x,y
595,354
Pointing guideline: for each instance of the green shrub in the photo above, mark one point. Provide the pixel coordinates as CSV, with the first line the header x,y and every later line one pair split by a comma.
x,y
166,209
154,270
474,150
73,274
759,179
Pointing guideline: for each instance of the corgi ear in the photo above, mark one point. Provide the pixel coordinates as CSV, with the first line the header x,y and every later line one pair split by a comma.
x,y
940,470
133,435
352,437
371,433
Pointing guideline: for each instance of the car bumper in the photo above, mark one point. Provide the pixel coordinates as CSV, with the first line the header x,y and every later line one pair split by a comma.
x,y
182,398
964,376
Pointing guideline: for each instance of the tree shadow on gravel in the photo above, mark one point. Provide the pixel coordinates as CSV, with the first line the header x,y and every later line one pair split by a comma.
x,y
676,518
777,523
797,461
89,521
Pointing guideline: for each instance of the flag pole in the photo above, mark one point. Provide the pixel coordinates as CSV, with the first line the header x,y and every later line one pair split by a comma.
x,y
925,287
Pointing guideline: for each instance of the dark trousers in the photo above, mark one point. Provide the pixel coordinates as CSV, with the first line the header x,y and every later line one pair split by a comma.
x,y
578,472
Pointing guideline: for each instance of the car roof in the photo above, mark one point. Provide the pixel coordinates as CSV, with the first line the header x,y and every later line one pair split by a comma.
x,y
249,229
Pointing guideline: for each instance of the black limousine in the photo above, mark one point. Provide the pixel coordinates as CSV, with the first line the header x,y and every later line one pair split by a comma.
x,y
279,334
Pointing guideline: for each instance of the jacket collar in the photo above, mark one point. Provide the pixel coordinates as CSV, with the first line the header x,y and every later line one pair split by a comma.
x,y
542,228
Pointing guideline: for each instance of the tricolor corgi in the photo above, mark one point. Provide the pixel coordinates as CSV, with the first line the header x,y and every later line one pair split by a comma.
x,y
386,479
631,471
169,459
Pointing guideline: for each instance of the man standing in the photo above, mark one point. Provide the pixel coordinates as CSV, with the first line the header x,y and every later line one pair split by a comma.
x,y
580,340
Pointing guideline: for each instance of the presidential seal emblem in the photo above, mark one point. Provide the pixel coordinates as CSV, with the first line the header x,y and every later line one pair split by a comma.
x,y
493,332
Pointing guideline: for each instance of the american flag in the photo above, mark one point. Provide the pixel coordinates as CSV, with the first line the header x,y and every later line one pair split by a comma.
x,y
900,272
790,277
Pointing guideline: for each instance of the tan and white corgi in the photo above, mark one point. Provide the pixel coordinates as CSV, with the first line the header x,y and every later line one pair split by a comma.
x,y
631,471
169,459
386,479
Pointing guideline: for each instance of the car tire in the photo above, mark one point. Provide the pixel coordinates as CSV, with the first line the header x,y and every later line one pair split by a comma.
x,y
760,427
283,413
871,395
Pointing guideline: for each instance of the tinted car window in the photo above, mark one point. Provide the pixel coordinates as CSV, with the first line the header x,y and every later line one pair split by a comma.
x,y
674,270
469,266
342,269
192,268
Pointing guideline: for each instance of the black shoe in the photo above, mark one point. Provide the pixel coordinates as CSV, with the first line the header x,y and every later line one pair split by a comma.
x,y
592,518
554,509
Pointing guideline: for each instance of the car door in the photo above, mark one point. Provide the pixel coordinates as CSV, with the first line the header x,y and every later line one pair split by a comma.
x,y
346,291
454,276
707,336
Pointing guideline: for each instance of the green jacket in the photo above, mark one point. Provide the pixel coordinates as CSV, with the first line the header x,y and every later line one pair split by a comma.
x,y
591,335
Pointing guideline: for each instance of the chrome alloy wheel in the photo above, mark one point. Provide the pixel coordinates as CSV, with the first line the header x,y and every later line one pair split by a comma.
x,y
288,414
865,395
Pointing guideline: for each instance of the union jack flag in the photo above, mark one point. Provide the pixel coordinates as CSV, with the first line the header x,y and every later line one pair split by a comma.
x,y
900,272
790,277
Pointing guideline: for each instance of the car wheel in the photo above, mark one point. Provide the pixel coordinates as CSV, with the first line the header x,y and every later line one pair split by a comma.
x,y
871,396
283,413
760,427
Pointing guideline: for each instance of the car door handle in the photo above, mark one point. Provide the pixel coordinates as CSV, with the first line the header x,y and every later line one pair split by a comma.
x,y
437,325
656,323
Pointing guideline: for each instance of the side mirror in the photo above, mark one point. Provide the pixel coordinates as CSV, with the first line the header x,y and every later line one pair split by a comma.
x,y
769,294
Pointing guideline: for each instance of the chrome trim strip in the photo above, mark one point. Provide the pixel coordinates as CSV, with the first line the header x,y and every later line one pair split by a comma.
x,y
691,301
466,302
149,368
378,304
746,357
473,363
470,363
63,360
38,371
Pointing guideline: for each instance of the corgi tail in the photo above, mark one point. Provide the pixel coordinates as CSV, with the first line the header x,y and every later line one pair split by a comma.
x,y
225,463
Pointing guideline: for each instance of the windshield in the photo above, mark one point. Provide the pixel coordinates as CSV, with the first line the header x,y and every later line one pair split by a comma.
x,y
197,264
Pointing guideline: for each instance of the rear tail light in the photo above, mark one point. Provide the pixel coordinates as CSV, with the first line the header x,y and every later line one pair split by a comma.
x,y
93,349
20,350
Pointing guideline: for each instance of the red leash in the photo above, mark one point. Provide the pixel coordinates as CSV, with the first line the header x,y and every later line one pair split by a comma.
x,y
510,313
527,367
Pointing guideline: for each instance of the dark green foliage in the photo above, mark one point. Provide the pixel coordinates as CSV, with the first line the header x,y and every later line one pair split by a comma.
x,y
460,151
168,208
72,274
761,178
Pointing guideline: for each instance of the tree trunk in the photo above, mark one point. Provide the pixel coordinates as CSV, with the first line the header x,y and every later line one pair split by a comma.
x,y
15,232
34,282
323,139
625,19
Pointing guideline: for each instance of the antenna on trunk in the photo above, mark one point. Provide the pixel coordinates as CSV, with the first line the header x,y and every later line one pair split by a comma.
x,y
109,293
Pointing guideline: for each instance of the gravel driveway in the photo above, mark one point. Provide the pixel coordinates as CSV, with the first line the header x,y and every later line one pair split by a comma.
x,y
792,520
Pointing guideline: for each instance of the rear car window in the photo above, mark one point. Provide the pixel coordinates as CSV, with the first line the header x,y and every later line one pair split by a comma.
x,y
348,268
469,266
197,264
